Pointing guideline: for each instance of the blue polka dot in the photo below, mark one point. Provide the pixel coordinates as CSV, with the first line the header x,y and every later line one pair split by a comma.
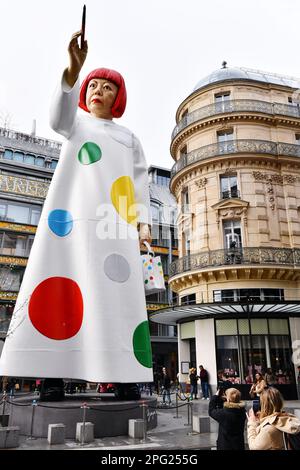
x,y
60,222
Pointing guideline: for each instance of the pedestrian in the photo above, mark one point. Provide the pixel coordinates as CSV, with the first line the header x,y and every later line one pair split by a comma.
x,y
223,382
82,298
166,386
156,379
231,418
204,382
257,388
194,383
266,428
269,377
5,381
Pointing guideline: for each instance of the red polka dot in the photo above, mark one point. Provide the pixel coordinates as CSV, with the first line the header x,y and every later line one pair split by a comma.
x,y
56,308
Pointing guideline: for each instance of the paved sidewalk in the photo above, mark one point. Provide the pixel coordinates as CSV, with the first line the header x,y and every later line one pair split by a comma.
x,y
172,432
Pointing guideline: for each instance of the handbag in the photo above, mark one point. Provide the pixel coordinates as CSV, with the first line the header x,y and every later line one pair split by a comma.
x,y
152,272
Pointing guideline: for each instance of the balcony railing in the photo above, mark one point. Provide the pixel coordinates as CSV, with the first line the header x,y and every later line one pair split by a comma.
x,y
234,147
234,256
232,194
233,106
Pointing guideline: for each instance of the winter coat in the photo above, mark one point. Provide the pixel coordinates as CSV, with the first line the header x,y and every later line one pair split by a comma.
x,y
267,434
257,388
166,381
203,375
193,378
231,419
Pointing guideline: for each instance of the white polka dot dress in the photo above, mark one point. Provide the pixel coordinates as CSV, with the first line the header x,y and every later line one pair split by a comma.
x,y
81,310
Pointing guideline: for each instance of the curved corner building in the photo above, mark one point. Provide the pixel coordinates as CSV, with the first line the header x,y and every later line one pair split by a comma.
x,y
236,178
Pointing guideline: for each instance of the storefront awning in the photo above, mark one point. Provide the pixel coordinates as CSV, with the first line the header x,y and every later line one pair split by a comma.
x,y
182,313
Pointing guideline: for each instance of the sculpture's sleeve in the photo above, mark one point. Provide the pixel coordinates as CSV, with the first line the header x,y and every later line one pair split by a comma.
x,y
141,184
63,107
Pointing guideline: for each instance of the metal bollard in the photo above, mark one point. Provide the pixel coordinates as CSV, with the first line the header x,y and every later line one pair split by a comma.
x,y
192,406
4,398
84,407
144,407
177,416
34,405
189,405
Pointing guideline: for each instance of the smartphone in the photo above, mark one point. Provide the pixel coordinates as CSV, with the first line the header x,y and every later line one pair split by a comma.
x,y
83,27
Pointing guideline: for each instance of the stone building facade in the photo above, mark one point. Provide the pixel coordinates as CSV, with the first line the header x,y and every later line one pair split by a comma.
x,y
236,179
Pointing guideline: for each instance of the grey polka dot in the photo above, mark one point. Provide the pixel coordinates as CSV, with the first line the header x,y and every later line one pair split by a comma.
x,y
116,268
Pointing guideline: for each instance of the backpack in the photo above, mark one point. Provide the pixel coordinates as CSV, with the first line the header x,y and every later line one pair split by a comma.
x,y
291,441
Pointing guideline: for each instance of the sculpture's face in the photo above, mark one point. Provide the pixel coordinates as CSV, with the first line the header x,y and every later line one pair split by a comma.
x,y
100,97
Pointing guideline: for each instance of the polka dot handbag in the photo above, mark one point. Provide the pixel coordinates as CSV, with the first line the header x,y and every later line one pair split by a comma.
x,y
152,272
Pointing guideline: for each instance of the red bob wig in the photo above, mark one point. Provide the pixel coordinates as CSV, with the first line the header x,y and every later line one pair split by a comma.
x,y
113,76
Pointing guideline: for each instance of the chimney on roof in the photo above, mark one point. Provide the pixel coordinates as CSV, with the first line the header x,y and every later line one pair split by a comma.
x,y
33,128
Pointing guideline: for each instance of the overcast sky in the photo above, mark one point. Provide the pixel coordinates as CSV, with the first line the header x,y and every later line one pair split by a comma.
x,y
162,47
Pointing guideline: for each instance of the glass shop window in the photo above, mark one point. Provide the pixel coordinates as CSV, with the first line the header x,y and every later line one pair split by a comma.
x,y
228,357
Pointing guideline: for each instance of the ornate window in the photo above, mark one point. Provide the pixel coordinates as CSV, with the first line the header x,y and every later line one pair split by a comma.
x,y
220,100
185,201
224,136
228,186
232,234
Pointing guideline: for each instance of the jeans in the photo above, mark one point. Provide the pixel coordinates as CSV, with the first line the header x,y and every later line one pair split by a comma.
x,y
194,390
256,405
204,386
166,393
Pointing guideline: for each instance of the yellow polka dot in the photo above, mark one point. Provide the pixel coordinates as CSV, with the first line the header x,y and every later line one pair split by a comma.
x,y
122,197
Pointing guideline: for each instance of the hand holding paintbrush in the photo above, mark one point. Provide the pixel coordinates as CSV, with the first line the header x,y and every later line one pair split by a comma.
x,y
77,55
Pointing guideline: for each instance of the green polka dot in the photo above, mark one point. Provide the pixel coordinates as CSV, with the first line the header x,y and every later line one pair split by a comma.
x,y
89,153
142,344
